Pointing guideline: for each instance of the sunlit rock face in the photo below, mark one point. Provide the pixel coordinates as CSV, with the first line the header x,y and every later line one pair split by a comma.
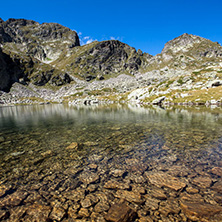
x,y
48,58
44,41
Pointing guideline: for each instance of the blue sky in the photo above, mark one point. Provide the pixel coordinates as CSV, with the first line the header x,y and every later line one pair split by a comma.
x,y
145,25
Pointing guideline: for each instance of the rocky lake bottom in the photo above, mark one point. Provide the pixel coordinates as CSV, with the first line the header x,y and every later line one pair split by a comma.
x,y
120,164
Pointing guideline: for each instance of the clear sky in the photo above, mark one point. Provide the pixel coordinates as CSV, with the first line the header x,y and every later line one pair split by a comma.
x,y
143,24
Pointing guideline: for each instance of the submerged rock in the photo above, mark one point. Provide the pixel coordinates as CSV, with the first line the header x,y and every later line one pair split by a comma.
x,y
57,214
2,139
217,171
4,214
129,196
202,182
161,179
218,186
196,211
74,146
14,199
120,213
112,184
38,212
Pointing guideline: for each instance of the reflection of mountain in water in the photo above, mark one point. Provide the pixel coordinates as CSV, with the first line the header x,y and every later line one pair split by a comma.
x,y
35,115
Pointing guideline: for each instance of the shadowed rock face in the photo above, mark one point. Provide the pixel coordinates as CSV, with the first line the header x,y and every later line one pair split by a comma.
x,y
10,71
25,44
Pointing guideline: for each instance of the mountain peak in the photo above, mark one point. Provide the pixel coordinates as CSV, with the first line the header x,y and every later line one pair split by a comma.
x,y
182,43
32,38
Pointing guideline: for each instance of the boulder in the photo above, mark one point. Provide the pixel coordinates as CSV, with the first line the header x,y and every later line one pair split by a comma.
x,y
214,83
159,100
196,211
120,213
161,179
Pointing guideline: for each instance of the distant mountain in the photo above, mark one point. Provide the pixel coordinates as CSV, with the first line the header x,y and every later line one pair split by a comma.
x,y
50,55
187,52
55,49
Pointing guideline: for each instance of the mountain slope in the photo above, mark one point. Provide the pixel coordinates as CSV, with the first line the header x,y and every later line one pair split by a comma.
x,y
187,52
101,60
44,42
57,56
48,56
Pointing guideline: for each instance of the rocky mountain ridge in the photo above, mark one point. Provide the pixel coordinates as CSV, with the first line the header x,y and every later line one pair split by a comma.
x,y
49,62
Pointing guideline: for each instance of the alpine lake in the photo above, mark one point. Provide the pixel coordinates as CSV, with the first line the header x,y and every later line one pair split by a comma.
x,y
110,163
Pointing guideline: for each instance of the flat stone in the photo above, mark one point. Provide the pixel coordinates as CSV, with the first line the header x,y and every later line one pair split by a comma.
x,y
117,173
86,203
169,207
218,187
46,153
146,219
58,213
91,143
2,139
94,198
120,213
83,212
129,196
218,198
135,165
142,213
202,182
158,100
102,206
192,190
138,189
165,180
4,214
178,171
3,190
74,146
14,199
197,210
217,171
92,187
72,211
89,177
158,194
93,166
17,213
137,178
115,185
33,197
39,212
96,217
74,195
151,203
191,197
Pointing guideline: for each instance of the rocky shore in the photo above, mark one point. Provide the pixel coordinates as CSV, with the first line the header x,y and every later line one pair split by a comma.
x,y
122,89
